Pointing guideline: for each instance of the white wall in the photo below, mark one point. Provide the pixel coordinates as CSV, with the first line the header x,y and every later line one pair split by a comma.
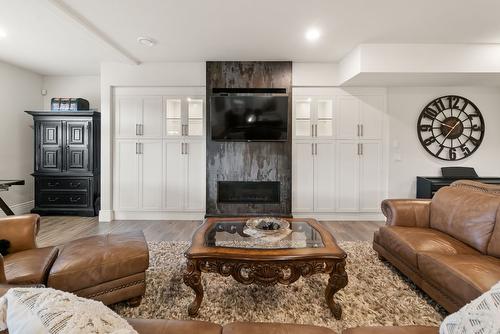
x,y
86,87
19,91
404,107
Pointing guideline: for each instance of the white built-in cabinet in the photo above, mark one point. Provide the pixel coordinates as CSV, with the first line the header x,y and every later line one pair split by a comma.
x,y
338,154
159,154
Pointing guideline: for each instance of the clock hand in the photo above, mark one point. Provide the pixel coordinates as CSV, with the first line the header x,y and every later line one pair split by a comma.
x,y
443,123
453,128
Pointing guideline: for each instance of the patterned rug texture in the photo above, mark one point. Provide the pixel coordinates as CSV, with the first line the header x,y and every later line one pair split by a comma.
x,y
376,294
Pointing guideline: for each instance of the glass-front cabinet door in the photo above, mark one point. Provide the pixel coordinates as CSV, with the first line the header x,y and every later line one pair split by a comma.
x,y
324,118
184,116
303,126
173,115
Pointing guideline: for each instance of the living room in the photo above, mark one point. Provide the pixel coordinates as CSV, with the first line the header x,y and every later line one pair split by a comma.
x,y
239,167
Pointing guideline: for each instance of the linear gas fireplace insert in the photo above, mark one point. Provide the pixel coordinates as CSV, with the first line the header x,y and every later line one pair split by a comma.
x,y
248,192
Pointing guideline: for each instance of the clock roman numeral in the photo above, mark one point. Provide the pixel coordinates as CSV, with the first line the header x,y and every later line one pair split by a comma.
x,y
474,141
425,127
429,141
439,105
430,113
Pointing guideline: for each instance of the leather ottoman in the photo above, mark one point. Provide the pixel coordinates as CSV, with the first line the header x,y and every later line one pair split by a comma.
x,y
109,268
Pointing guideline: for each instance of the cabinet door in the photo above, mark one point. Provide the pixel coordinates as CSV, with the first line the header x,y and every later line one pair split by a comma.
x,y
128,116
152,173
195,118
195,181
348,118
152,111
348,176
303,118
371,177
324,177
303,177
174,179
77,146
49,157
127,175
173,116
324,118
372,116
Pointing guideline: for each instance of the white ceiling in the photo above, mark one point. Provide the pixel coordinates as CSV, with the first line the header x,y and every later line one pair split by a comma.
x,y
40,37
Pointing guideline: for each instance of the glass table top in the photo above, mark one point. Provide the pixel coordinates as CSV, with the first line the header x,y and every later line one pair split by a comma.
x,y
232,234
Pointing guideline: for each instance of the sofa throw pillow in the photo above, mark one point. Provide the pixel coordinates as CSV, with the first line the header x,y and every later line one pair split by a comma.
x,y
482,315
45,310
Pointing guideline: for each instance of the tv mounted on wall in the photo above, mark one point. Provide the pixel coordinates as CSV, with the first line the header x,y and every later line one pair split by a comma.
x,y
249,118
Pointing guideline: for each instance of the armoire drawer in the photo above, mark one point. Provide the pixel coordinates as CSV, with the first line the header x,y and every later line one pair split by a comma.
x,y
66,184
63,198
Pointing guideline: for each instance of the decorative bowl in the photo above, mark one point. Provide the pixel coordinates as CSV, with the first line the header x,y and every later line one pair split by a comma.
x,y
268,224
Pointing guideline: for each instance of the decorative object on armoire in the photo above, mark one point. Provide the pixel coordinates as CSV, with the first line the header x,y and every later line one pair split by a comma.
x,y
68,104
4,186
450,127
67,162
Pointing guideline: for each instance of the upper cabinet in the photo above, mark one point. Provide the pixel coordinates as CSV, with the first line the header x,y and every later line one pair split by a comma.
x,y
313,118
159,116
184,116
138,116
360,117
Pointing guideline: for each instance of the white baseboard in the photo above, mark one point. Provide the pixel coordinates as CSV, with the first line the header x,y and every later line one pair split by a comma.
x,y
157,215
349,216
20,209
105,215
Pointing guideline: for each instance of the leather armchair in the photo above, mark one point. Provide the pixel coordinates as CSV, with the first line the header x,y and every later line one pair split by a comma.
x,y
25,263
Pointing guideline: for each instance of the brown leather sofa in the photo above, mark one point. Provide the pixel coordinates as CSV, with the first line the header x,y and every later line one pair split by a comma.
x,y
110,268
449,246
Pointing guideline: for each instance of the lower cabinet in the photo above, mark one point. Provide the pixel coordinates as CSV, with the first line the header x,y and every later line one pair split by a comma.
x,y
313,174
158,175
335,177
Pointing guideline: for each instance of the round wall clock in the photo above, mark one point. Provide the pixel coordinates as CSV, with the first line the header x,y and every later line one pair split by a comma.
x,y
450,127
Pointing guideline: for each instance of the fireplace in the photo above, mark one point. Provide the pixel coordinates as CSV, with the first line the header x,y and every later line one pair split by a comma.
x,y
248,192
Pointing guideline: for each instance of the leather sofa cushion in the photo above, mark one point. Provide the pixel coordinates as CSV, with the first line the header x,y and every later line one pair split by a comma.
x,y
406,242
463,276
465,214
91,261
393,330
494,244
29,266
272,328
160,326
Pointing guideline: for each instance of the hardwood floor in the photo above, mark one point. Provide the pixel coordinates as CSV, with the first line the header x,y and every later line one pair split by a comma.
x,y
58,230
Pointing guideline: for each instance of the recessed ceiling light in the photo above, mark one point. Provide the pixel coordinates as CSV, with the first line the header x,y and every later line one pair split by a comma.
x,y
3,33
313,34
146,41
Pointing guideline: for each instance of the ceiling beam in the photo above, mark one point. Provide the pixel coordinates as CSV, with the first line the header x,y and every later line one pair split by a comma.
x,y
90,27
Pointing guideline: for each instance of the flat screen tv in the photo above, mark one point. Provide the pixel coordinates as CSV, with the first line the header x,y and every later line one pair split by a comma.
x,y
249,118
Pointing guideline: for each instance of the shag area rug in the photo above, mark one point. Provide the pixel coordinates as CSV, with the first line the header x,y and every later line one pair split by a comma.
x,y
376,294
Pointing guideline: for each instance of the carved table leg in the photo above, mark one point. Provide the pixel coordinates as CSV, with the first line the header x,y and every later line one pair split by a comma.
x,y
338,280
192,278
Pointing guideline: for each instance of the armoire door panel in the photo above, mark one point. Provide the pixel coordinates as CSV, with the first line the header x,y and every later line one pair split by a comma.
x,y
175,177
76,133
76,150
196,174
152,173
324,177
51,159
372,116
347,176
348,118
127,175
371,177
127,116
77,159
51,133
303,177
152,117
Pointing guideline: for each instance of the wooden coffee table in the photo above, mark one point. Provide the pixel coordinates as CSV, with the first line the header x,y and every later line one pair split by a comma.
x,y
220,246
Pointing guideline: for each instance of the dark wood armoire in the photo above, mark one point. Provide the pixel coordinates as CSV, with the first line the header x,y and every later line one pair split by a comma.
x,y
67,162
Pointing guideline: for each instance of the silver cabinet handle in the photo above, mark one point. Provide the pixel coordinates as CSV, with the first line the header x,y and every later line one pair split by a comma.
x,y
359,150
312,148
315,149
137,148
141,146
312,130
141,128
361,146
361,130
187,148
137,130
182,148
358,131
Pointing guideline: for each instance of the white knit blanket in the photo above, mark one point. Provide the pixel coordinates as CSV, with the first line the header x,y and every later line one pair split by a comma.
x,y
482,315
60,312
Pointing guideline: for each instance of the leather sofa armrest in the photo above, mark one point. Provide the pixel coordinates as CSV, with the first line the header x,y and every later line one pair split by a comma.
x,y
407,212
21,231
3,279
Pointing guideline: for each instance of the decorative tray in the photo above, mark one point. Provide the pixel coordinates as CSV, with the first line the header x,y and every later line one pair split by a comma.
x,y
268,229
